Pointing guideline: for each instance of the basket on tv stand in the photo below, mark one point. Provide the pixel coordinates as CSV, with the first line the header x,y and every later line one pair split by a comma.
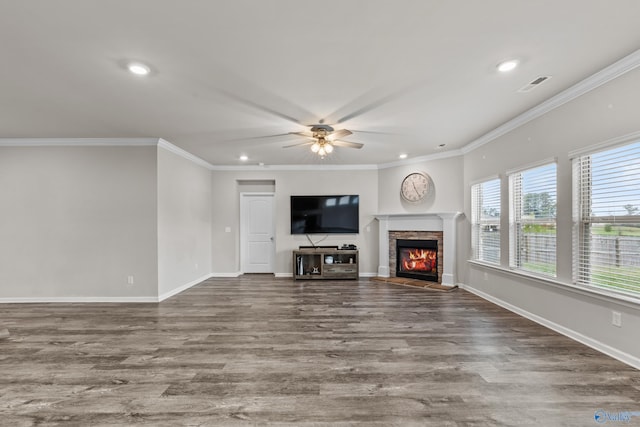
x,y
318,263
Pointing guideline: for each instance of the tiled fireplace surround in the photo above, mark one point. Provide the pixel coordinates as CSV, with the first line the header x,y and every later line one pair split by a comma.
x,y
431,226
414,235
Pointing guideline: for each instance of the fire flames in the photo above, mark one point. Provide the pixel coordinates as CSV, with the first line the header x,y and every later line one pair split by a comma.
x,y
423,260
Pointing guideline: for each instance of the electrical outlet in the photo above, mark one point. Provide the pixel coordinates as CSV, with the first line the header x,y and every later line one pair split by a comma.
x,y
227,229
486,276
196,265
616,319
130,280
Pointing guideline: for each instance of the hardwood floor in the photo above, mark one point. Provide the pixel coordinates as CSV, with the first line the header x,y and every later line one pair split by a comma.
x,y
263,351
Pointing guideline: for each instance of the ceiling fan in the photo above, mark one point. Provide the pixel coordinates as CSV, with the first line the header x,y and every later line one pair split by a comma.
x,y
323,138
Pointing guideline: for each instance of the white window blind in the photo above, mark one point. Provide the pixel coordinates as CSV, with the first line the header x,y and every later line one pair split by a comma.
x,y
607,219
485,212
532,220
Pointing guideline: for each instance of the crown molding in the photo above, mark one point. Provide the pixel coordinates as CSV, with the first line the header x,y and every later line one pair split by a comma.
x,y
613,71
189,156
103,142
293,167
76,142
420,159
162,143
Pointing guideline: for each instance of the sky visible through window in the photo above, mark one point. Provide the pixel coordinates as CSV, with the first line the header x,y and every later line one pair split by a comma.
x,y
616,181
541,177
491,201
539,191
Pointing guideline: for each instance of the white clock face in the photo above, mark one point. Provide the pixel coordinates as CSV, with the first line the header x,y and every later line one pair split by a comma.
x,y
415,187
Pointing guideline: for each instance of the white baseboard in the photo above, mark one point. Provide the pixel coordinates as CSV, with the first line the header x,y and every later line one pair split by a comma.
x,y
283,275
236,274
183,287
290,275
151,299
368,274
38,300
627,358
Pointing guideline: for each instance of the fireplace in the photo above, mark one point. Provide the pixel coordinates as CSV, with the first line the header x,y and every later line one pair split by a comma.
x,y
426,226
417,259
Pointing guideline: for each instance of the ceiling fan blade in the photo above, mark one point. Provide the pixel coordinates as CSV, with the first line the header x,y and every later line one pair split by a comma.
x,y
347,144
373,132
338,134
300,144
307,134
278,135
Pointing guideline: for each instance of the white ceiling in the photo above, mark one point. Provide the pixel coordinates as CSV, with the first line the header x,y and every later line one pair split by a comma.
x,y
404,75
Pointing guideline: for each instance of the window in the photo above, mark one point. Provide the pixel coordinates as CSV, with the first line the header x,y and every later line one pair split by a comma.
x,y
485,212
607,219
532,220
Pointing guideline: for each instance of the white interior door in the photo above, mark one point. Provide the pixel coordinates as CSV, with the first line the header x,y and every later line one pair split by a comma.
x,y
257,233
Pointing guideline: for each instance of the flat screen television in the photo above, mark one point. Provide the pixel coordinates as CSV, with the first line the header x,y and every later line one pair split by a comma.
x,y
325,214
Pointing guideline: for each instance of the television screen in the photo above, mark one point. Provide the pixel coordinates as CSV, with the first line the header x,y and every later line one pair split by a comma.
x,y
325,214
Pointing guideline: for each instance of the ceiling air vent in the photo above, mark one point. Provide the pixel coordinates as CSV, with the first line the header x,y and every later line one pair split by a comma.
x,y
534,84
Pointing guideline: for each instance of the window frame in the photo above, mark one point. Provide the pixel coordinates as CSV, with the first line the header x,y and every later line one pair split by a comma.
x,y
478,221
518,220
584,219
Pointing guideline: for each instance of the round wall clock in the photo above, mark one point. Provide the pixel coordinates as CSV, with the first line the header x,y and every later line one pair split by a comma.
x,y
415,187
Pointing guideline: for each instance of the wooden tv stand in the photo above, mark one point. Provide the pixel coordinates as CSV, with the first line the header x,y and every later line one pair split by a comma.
x,y
311,264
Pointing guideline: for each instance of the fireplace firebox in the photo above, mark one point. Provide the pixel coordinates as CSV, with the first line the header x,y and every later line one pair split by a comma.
x,y
417,259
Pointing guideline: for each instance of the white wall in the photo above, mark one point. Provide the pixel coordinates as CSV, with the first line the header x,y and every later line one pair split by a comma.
x,y
447,179
184,223
226,213
75,222
446,196
379,192
607,112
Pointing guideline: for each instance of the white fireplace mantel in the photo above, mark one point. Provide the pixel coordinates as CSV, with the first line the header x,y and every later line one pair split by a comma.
x,y
441,221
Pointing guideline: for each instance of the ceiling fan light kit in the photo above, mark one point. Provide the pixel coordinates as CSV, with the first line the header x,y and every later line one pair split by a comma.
x,y
322,147
325,139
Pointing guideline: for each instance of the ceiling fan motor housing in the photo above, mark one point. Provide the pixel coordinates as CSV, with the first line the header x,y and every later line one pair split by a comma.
x,y
320,131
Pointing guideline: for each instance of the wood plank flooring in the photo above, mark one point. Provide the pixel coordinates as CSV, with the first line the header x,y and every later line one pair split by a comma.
x,y
264,351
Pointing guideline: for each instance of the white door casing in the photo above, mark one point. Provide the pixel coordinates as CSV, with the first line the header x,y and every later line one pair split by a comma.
x,y
257,232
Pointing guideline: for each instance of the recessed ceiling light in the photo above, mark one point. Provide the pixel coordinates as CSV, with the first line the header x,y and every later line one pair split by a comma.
x,y
138,68
403,156
507,66
244,158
